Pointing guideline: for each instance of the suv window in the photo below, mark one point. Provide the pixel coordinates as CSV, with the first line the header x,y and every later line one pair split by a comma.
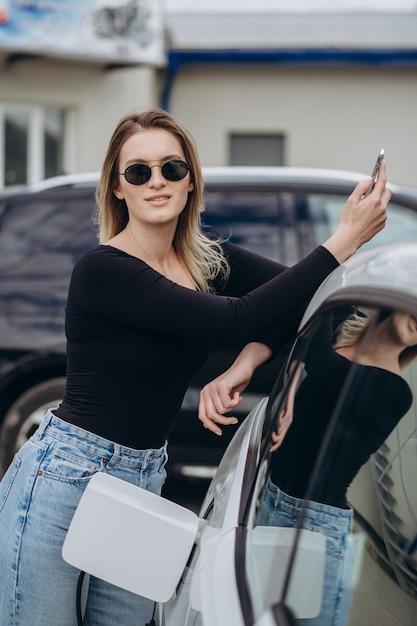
x,y
325,210
49,226
287,225
41,238
273,224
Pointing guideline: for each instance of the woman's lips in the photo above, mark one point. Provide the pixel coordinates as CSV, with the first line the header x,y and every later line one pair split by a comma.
x,y
158,199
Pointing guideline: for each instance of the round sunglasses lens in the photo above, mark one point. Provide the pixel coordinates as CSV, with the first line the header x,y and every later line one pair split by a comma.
x,y
175,170
138,174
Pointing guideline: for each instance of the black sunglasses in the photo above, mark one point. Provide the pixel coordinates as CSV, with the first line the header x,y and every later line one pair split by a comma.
x,y
139,173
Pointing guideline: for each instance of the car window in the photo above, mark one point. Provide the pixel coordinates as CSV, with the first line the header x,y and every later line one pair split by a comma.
x,y
286,225
340,407
394,468
41,239
43,224
401,225
325,210
273,224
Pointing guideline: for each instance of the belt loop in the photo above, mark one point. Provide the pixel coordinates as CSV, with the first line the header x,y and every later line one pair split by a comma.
x,y
113,458
43,425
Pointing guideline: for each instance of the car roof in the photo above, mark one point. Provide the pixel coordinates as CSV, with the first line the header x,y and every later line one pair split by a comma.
x,y
242,176
233,175
385,276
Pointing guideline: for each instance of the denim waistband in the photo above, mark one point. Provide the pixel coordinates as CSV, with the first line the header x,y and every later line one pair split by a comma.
x,y
310,509
55,428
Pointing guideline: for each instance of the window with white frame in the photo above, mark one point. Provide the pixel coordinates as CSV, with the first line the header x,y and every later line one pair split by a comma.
x,y
256,149
31,143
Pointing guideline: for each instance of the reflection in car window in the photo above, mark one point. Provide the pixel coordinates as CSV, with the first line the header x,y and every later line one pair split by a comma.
x,y
349,390
394,468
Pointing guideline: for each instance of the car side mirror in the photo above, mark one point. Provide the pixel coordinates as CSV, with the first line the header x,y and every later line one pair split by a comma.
x,y
129,537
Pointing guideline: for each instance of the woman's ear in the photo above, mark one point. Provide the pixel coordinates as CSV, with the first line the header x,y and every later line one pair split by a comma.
x,y
191,187
118,193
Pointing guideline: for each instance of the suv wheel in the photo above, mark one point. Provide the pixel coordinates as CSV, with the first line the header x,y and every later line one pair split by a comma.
x,y
24,416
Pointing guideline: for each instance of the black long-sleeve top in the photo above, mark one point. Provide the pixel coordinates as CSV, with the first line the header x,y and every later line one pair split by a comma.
x,y
135,339
373,400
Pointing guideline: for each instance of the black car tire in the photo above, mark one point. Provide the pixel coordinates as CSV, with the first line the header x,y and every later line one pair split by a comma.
x,y
24,415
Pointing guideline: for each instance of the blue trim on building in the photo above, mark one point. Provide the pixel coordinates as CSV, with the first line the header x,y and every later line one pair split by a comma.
x,y
317,57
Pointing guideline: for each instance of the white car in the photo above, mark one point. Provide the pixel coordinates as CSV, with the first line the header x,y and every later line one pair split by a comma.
x,y
222,568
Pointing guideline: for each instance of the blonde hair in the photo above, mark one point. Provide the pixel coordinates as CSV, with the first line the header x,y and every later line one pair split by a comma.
x,y
351,330
202,255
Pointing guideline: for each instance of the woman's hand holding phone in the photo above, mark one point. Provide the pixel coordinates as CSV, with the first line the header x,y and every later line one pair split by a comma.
x,y
363,216
375,172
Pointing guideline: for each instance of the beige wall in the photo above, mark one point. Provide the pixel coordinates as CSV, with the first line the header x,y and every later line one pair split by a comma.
x,y
332,117
94,98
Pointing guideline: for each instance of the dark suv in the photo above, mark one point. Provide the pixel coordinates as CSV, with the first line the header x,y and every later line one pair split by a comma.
x,y
282,213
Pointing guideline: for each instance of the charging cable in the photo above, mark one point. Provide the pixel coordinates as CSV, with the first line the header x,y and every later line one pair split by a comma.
x,y
78,600
152,622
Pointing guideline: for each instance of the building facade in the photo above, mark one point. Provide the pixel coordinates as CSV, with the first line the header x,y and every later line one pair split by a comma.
x,y
316,90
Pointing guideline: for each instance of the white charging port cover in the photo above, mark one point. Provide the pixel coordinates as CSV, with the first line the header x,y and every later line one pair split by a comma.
x,y
130,537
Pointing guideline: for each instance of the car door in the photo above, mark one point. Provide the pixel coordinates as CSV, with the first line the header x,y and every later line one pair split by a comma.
x,y
289,574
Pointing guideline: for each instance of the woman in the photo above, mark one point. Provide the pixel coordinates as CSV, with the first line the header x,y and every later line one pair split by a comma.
x,y
369,352
142,308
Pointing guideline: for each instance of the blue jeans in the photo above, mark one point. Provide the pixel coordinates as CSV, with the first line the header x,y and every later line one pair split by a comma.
x,y
279,509
38,497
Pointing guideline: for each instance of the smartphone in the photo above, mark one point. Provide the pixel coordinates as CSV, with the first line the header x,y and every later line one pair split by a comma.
x,y
375,172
